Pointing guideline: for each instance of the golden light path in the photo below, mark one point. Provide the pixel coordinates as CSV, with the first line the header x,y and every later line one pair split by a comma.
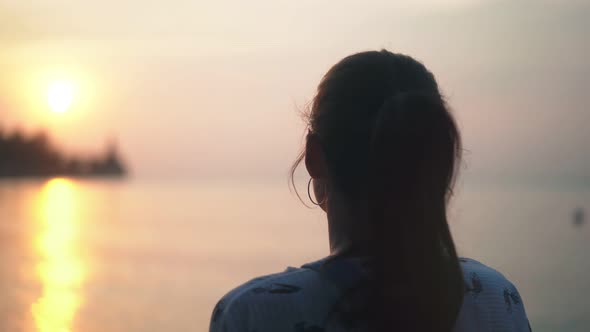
x,y
60,269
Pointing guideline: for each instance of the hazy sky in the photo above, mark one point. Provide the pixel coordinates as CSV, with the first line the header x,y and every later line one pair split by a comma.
x,y
212,88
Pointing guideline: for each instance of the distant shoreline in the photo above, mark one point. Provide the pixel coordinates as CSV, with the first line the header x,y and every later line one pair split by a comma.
x,y
33,156
67,176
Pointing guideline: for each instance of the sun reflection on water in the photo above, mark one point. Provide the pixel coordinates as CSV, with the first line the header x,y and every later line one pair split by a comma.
x,y
60,269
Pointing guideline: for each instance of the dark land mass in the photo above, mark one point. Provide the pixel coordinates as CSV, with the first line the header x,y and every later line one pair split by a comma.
x,y
34,156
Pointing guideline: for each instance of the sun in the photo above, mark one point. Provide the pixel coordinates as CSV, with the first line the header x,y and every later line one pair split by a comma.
x,y
60,95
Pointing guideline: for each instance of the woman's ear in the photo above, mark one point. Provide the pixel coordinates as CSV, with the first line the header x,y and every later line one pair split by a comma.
x,y
315,161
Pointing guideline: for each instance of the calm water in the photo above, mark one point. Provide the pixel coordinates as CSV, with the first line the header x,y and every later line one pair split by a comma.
x,y
155,256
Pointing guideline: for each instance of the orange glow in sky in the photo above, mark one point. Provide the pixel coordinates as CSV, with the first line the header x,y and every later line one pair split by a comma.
x,y
208,89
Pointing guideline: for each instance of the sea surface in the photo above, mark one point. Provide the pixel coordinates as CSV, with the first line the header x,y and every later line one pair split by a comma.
x,y
156,255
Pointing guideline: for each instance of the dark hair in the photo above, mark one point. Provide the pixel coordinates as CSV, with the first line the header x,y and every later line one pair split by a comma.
x,y
389,139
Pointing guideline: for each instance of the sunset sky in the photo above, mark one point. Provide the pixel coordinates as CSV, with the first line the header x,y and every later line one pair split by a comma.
x,y
212,88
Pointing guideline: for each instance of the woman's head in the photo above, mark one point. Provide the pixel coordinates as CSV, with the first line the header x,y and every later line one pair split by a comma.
x,y
380,133
356,99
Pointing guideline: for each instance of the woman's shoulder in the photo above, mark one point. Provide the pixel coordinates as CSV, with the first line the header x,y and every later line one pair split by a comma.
x,y
475,272
288,281
482,280
262,296
490,300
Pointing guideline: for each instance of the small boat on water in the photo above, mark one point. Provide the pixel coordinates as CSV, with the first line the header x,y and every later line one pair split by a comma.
x,y
579,217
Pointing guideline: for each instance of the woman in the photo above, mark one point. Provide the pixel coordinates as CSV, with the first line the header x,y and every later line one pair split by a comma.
x,y
382,151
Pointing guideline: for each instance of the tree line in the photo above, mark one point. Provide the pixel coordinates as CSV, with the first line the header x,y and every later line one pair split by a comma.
x,y
34,155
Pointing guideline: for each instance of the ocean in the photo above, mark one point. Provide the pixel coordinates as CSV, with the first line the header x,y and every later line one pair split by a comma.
x,y
155,255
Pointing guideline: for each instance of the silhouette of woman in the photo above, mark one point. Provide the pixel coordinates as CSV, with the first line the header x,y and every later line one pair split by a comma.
x,y
382,151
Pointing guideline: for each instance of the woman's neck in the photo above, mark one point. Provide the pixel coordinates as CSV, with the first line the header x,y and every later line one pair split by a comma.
x,y
347,226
